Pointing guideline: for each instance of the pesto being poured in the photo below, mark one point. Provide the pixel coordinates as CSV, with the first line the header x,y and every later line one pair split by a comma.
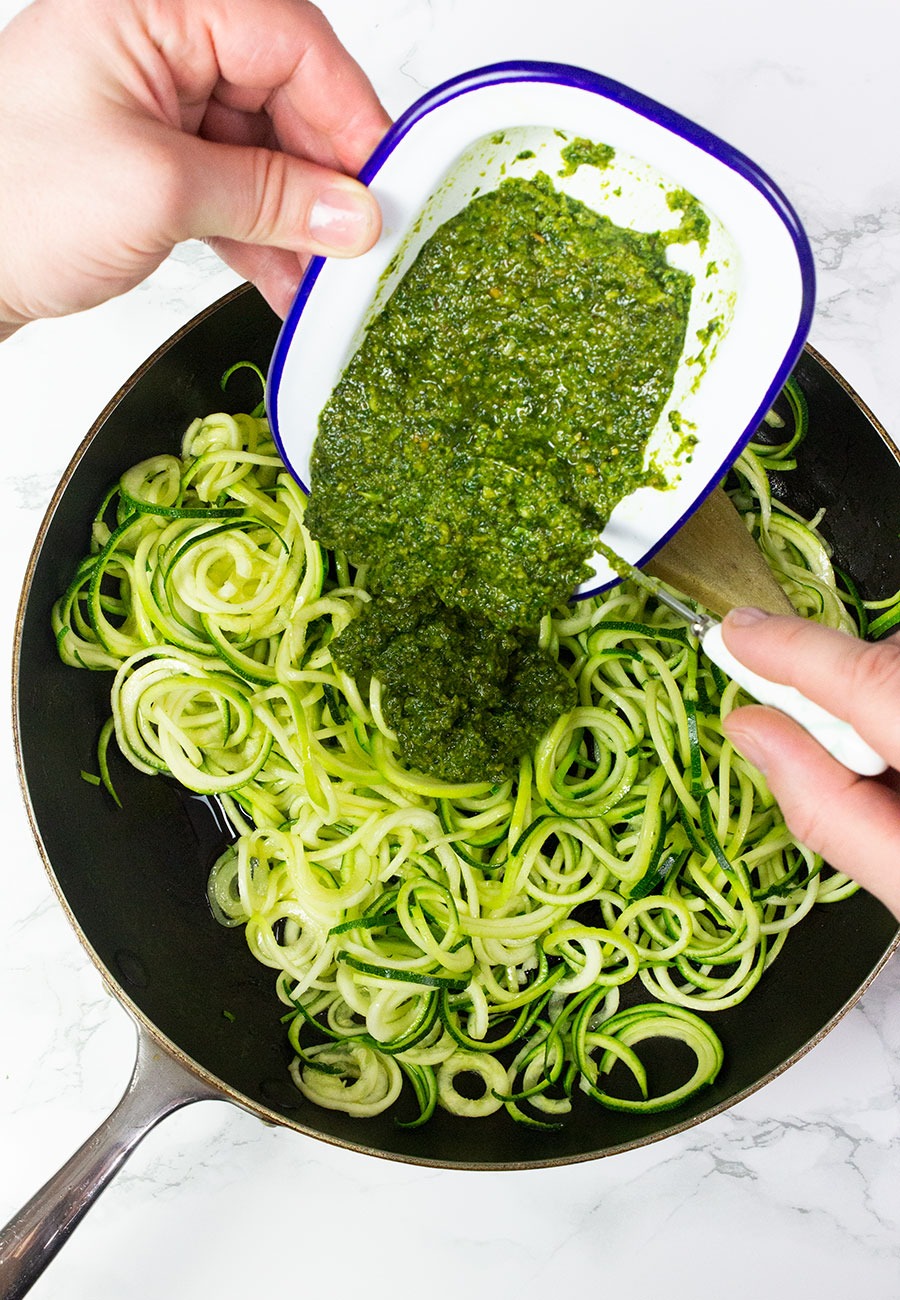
x,y
497,410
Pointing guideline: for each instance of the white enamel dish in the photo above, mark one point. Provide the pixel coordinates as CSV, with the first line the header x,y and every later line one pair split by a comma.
x,y
754,282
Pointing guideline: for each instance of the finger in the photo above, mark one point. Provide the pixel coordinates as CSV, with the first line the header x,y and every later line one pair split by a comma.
x,y
854,822
226,125
279,54
856,680
325,91
257,196
275,272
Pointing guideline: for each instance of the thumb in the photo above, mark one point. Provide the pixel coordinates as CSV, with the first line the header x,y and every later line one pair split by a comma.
x,y
262,197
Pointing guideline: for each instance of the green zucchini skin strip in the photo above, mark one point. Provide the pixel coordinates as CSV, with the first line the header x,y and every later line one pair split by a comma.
x,y
633,880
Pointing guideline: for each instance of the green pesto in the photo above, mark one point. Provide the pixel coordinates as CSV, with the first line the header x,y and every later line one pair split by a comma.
x,y
688,441
497,410
465,698
694,224
711,330
585,153
500,405
627,572
708,336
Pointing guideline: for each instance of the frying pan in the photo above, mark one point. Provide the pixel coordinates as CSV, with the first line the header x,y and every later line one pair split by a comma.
x,y
133,880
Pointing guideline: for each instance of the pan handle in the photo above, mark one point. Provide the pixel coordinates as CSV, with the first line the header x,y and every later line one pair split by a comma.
x,y
158,1086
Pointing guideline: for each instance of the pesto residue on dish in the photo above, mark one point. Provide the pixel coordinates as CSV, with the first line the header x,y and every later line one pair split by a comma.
x,y
585,153
497,410
694,224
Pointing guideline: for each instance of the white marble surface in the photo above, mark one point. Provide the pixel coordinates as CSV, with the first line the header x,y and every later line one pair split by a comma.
x,y
795,1191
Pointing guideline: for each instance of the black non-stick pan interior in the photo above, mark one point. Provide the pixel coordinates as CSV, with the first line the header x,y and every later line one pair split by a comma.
x,y
134,878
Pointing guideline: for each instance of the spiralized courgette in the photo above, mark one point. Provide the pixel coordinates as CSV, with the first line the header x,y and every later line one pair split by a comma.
x,y
488,945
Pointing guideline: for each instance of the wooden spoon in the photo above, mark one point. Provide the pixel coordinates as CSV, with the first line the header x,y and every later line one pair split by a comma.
x,y
714,560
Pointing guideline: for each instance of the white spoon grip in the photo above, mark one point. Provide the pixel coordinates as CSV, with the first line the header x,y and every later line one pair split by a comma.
x,y
841,740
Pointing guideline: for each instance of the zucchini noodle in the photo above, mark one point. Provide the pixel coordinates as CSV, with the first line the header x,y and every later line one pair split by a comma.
x,y
473,946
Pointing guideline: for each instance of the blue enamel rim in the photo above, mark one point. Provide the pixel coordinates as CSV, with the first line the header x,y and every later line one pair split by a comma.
x,y
581,78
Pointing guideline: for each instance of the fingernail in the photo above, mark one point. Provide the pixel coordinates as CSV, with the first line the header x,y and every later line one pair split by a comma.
x,y
745,616
341,219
